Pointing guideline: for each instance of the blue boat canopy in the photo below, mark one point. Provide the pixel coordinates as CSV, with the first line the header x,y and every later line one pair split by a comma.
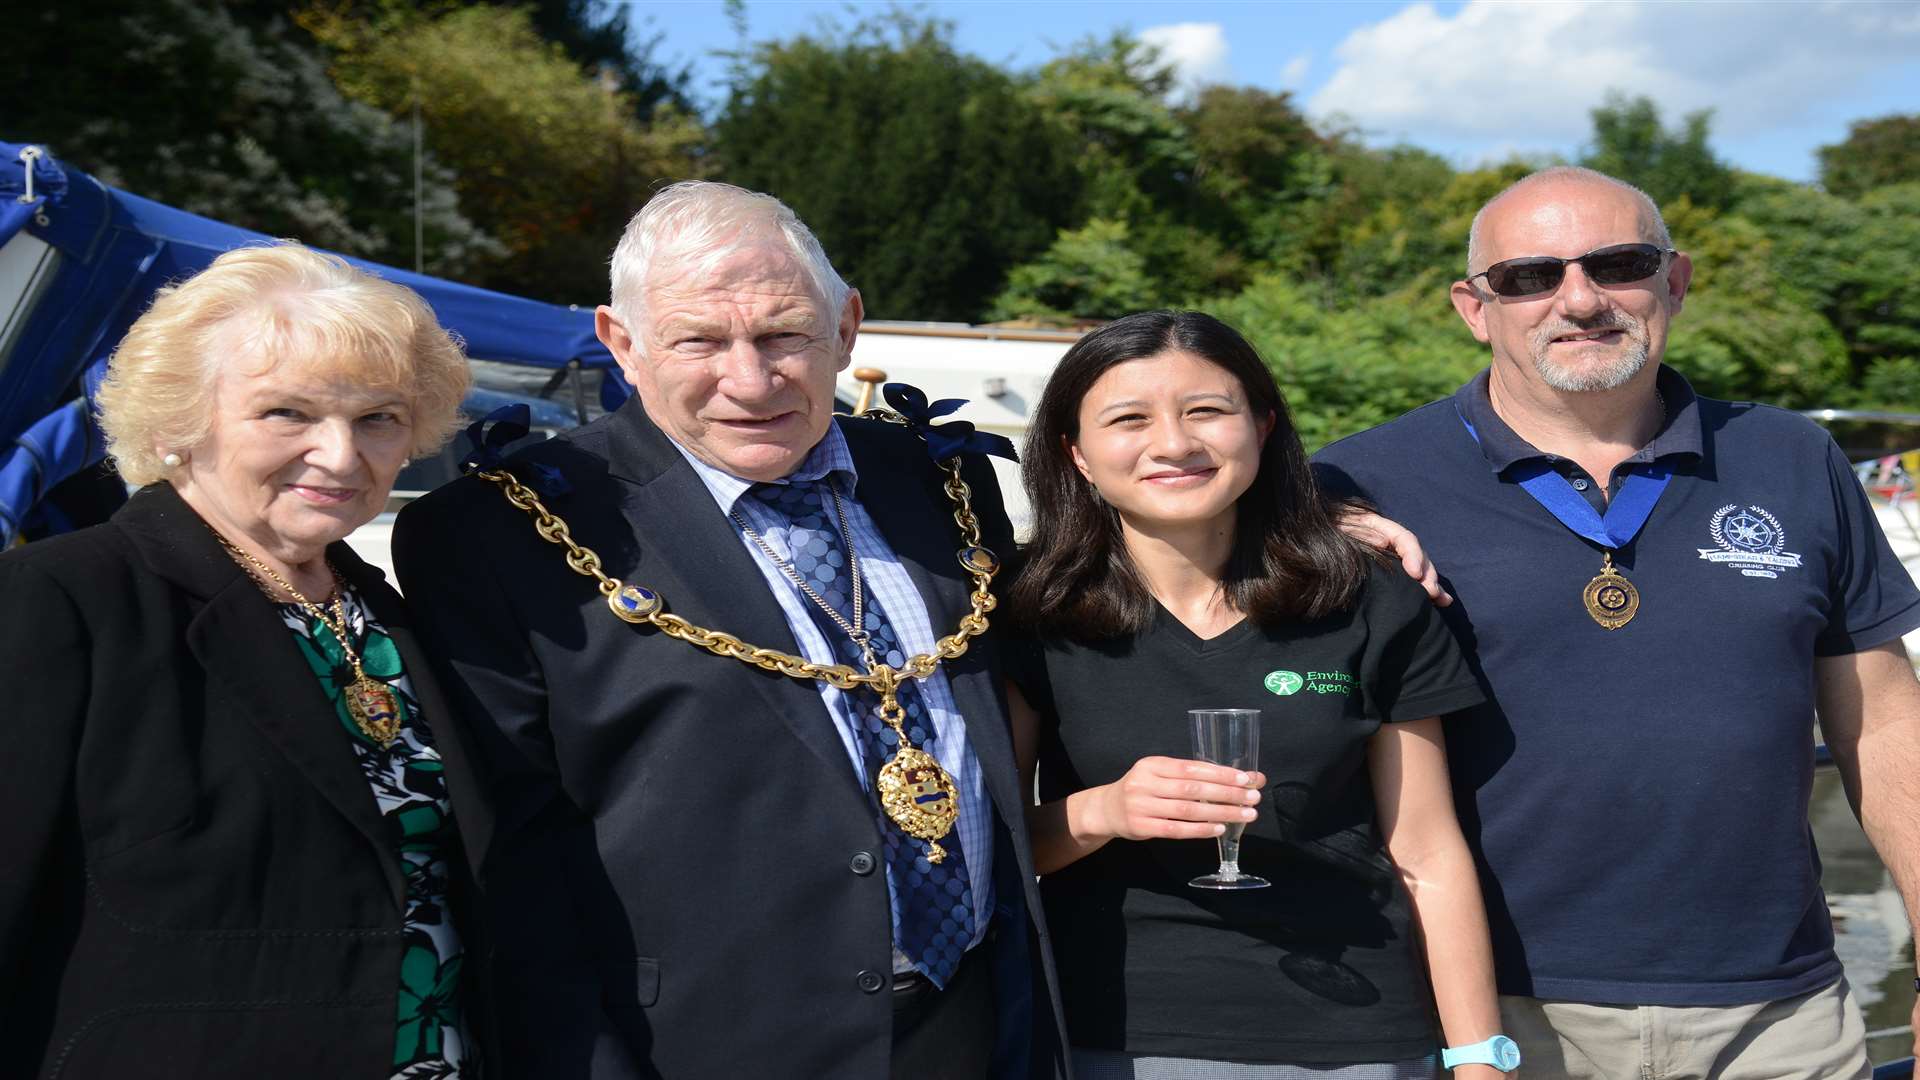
x,y
106,254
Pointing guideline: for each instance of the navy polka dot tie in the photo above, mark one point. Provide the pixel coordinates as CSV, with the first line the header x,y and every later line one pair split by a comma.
x,y
932,902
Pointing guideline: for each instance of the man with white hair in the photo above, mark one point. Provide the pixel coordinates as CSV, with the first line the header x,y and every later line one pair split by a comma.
x,y
1660,591
753,808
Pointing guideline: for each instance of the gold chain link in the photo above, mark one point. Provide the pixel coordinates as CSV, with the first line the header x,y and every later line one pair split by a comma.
x,y
882,678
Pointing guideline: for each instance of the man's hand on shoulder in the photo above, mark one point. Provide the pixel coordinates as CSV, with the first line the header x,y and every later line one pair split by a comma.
x,y
1385,535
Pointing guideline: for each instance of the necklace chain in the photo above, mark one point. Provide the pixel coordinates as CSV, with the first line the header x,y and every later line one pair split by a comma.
x,y
261,574
857,629
370,703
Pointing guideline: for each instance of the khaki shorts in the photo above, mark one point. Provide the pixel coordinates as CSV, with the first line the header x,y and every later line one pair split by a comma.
x,y
1816,1036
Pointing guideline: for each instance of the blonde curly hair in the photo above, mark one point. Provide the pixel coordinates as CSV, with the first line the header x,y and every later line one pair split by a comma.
x,y
269,305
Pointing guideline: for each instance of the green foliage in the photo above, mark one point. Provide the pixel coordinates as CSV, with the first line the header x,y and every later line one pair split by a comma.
x,y
1260,177
600,35
1874,154
1349,369
1762,348
227,111
1888,288
949,188
1088,271
1851,261
1630,143
1748,329
1108,100
1892,383
552,157
1247,142
927,175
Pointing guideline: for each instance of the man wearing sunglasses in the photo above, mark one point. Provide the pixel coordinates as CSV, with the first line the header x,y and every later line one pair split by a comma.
x,y
1658,590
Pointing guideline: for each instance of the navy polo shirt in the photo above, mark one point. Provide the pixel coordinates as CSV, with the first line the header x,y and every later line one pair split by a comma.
x,y
1637,798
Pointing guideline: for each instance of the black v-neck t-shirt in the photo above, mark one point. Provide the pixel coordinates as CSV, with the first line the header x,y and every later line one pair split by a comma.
x,y
1321,967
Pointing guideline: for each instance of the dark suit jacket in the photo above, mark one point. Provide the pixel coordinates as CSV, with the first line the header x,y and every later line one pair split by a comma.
x,y
683,878
197,882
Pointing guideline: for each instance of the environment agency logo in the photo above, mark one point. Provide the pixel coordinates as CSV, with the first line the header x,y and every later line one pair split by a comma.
x,y
1284,683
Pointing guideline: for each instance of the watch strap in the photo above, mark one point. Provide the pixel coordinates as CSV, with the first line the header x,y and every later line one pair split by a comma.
x,y
1498,1051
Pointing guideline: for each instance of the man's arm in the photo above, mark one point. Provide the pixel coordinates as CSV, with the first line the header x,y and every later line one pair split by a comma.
x,y
1357,516
1869,705
1390,536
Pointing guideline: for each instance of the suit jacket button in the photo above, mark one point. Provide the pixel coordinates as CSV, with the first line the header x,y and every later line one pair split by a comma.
x,y
861,863
869,982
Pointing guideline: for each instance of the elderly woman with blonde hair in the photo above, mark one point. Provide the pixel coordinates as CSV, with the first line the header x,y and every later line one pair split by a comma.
x,y
226,799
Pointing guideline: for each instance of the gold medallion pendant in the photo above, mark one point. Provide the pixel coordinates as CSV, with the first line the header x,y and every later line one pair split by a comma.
x,y
920,798
374,710
1610,598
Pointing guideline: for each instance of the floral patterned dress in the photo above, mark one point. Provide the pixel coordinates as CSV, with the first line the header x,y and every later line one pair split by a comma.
x,y
409,785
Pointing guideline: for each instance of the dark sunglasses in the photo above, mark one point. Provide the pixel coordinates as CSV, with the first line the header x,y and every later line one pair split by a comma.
x,y
1617,264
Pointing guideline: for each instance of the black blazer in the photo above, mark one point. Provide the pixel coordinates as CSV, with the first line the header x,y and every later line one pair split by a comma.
x,y
683,879
197,882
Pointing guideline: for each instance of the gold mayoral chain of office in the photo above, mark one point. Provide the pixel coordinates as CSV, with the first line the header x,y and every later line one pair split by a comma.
x,y
371,704
904,779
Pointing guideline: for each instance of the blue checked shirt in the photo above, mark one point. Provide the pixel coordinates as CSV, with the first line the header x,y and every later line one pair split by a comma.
x,y
890,585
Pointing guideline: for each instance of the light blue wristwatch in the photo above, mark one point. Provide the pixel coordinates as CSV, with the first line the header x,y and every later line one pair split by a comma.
x,y
1499,1052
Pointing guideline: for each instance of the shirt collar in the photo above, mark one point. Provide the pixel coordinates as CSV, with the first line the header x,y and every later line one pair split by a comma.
x,y
828,457
1680,434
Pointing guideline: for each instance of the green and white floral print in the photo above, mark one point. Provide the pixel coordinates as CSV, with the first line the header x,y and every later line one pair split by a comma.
x,y
409,785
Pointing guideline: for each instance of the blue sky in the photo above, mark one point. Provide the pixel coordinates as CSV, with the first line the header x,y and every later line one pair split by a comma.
x,y
1473,81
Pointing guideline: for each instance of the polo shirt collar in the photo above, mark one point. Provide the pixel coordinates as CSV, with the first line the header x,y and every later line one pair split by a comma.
x,y
1503,448
828,457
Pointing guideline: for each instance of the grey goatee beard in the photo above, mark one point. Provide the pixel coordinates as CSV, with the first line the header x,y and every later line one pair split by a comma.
x,y
1589,378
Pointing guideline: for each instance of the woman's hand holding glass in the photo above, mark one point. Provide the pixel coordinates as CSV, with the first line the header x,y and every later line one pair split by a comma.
x,y
1166,798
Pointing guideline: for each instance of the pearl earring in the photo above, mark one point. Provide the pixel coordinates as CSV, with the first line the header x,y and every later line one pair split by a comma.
x,y
171,460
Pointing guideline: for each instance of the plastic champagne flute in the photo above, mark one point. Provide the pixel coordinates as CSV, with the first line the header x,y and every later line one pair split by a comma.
x,y
1229,737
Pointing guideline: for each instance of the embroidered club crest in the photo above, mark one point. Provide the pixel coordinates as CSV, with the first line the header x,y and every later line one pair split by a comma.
x,y
1749,540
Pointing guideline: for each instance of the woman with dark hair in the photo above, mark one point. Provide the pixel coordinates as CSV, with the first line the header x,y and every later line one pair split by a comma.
x,y
1183,558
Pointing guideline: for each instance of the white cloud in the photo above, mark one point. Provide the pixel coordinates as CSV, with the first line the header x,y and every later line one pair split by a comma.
x,y
1294,75
1197,52
1530,73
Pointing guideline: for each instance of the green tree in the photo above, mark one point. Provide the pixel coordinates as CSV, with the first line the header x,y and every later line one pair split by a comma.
x,y
1248,142
1850,262
1108,99
1089,272
1630,143
925,173
601,36
1398,221
1258,168
1747,330
1142,161
1874,154
551,159
226,110
1346,370
1892,383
